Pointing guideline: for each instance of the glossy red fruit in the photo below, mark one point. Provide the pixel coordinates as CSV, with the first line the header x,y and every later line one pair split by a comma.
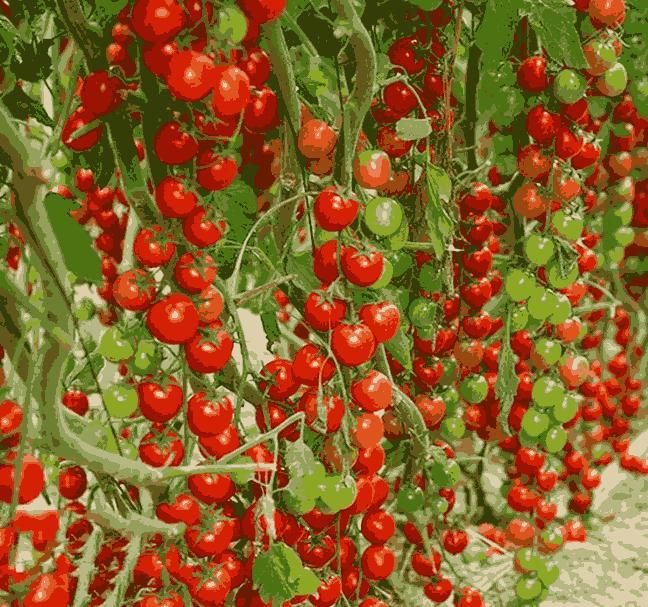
x,y
157,20
173,199
333,405
215,172
173,145
76,401
373,392
191,76
210,353
378,563
159,402
152,248
311,367
323,314
334,212
608,13
382,318
362,269
325,264
30,485
173,319
262,11
71,136
207,416
438,590
201,231
532,75
372,168
353,345
72,482
134,290
100,93
316,139
231,92
280,383
261,114
542,125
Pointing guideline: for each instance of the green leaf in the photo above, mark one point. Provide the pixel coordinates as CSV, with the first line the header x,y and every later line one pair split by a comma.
x,y
299,459
411,129
426,5
400,347
22,106
75,243
279,575
495,33
507,379
302,265
440,223
270,327
31,61
555,23
8,38
105,11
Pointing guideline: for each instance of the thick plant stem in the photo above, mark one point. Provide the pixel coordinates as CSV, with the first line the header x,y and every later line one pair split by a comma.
x,y
292,178
359,101
472,82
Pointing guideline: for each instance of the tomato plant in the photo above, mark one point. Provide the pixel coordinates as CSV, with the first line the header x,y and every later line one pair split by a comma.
x,y
285,284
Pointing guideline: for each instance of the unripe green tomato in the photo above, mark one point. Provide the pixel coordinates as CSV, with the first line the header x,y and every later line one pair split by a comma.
x,y
453,428
114,347
569,226
534,422
519,285
562,309
438,505
555,439
569,86
59,160
547,393
624,236
430,278
555,277
85,310
449,372
566,409
410,499
401,262
549,350
528,559
528,588
146,358
397,241
385,277
539,249
232,24
541,303
445,474
614,81
121,401
623,213
616,255
473,389
383,216
519,318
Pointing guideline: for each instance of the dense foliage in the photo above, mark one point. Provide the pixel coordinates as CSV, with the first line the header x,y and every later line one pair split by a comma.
x,y
436,210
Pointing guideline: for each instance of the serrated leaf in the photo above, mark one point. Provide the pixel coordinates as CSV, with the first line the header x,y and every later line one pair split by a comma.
x,y
75,243
507,381
299,459
22,106
411,129
494,35
279,575
302,265
400,347
555,23
440,223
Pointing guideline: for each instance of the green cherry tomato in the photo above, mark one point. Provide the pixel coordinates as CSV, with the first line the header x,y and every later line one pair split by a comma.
x,y
556,278
528,559
519,285
473,389
120,400
453,428
114,347
562,309
438,505
383,216
85,310
232,23
555,439
541,303
538,249
566,409
569,86
614,81
534,422
146,358
401,262
385,277
624,235
410,499
337,493
519,318
547,393
569,226
430,278
397,241
445,474
528,588
549,350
